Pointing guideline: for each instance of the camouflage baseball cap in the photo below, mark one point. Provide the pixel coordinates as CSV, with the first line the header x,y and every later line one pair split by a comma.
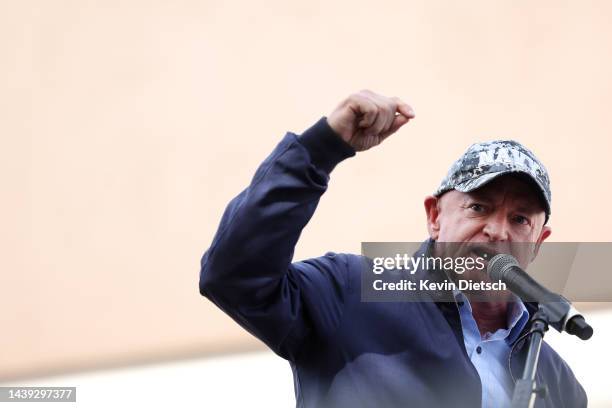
x,y
483,162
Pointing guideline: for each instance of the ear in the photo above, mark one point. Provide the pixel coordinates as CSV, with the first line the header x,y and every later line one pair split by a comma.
x,y
545,233
432,210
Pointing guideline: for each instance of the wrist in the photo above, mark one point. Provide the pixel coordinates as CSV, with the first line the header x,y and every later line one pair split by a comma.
x,y
325,145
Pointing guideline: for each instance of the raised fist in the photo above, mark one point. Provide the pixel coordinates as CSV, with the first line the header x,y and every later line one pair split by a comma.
x,y
365,119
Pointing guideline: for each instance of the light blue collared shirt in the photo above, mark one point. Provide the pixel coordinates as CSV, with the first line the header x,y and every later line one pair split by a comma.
x,y
489,353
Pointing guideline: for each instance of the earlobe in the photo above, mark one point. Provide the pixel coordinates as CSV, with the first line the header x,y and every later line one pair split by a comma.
x,y
544,234
432,212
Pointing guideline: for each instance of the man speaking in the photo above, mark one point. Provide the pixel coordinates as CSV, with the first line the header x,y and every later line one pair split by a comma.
x,y
349,353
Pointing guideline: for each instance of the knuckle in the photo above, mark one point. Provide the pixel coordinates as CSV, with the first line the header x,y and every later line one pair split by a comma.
x,y
371,107
349,99
357,98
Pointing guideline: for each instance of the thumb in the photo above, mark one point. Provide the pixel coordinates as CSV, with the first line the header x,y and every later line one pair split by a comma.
x,y
399,121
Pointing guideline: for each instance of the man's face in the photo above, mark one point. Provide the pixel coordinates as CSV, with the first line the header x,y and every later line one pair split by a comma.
x,y
500,214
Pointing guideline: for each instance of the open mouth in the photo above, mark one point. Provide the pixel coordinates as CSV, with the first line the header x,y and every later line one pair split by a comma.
x,y
483,252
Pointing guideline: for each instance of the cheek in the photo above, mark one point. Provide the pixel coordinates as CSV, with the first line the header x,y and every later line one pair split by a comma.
x,y
525,234
457,229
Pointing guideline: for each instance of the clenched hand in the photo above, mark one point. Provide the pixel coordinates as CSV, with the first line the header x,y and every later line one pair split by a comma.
x,y
365,119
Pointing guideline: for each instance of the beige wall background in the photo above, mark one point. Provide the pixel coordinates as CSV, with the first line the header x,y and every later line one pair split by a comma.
x,y
127,126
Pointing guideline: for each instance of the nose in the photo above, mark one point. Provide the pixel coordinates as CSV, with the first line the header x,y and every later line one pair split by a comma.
x,y
497,228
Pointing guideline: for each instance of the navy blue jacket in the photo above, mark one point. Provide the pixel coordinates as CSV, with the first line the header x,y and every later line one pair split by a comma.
x,y
343,352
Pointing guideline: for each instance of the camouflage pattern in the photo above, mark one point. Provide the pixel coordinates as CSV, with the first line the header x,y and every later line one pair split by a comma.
x,y
482,162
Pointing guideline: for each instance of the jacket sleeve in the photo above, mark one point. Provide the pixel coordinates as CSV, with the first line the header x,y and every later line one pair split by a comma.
x,y
247,270
564,389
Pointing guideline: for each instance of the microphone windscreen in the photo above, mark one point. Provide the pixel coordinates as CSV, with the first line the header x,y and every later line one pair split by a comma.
x,y
498,265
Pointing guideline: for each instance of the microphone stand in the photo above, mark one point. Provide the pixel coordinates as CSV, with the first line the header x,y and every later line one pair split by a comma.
x,y
526,388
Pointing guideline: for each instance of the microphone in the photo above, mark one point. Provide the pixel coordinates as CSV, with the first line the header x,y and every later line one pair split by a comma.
x,y
562,315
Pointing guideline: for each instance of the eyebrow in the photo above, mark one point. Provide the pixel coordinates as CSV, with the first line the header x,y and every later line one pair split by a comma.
x,y
533,205
534,208
479,195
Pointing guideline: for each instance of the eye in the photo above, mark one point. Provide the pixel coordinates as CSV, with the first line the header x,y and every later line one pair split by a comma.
x,y
519,219
479,208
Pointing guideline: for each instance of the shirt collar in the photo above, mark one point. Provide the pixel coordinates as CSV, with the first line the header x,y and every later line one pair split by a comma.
x,y
517,318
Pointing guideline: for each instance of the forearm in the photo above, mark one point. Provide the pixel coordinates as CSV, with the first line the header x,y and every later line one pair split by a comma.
x,y
254,244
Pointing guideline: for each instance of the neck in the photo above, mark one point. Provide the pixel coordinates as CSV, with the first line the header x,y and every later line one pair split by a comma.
x,y
490,316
